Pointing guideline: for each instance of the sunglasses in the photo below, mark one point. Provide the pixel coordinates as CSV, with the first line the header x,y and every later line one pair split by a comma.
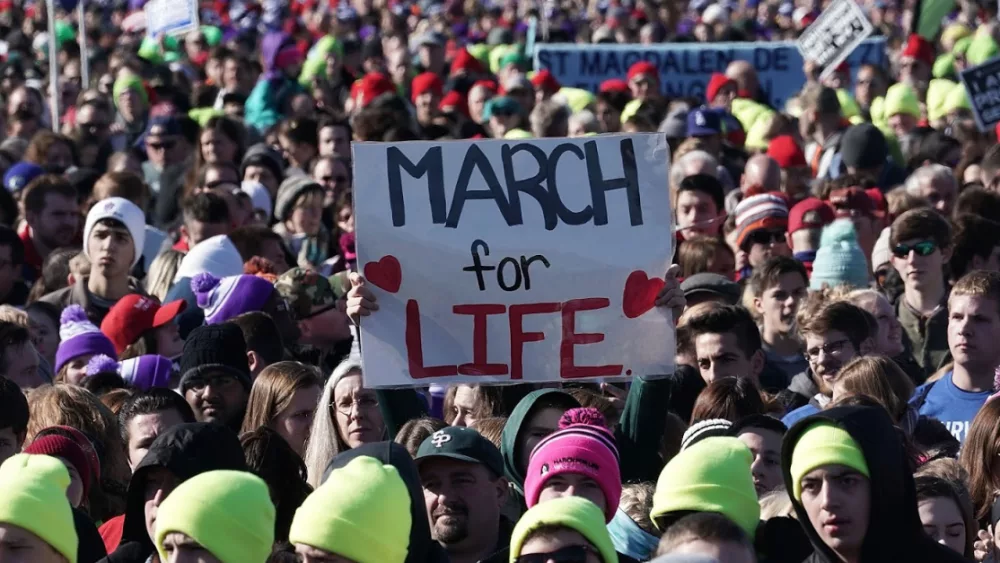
x,y
568,554
165,145
766,237
924,248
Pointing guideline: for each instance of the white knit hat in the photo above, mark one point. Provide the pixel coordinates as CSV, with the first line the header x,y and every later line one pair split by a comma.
x,y
217,256
880,252
126,213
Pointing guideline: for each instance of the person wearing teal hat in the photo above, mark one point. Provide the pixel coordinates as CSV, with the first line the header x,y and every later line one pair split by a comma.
x,y
502,114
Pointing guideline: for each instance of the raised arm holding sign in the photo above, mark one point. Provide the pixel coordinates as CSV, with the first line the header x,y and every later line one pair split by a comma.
x,y
501,262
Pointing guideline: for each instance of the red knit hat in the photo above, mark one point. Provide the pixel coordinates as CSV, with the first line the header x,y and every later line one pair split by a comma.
x,y
822,215
613,85
642,67
786,152
426,82
543,79
490,85
371,86
716,83
456,101
465,62
919,48
60,446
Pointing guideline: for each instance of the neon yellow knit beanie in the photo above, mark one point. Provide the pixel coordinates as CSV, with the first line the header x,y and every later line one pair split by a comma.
x,y
33,497
713,475
937,92
361,512
576,513
956,99
518,133
824,443
901,98
848,107
229,513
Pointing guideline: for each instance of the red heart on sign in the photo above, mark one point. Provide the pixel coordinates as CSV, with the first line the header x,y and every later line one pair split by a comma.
x,y
385,273
640,293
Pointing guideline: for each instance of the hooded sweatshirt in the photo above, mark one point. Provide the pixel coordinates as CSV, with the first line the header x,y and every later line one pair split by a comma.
x,y
264,106
185,450
895,532
514,428
423,549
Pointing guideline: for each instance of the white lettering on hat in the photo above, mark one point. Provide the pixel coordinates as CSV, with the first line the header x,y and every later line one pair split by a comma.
x,y
699,119
440,438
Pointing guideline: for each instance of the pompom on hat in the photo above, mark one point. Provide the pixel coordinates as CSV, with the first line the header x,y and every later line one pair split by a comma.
x,y
225,298
102,364
80,337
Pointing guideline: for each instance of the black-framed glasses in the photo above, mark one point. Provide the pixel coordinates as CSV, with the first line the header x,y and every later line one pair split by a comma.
x,y
568,554
767,237
922,248
220,381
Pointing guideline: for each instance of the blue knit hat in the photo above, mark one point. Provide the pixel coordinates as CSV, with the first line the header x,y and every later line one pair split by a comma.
x,y
839,259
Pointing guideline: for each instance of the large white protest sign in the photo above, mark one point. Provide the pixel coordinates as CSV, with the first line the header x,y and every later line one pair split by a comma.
x,y
834,35
514,261
171,17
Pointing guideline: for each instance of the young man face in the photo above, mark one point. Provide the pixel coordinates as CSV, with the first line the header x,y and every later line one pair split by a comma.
x,y
919,263
695,213
262,174
573,485
720,356
58,222
542,422
778,304
19,545
21,366
334,140
217,397
838,502
973,332
181,548
562,541
463,502
827,353
765,445
144,428
111,250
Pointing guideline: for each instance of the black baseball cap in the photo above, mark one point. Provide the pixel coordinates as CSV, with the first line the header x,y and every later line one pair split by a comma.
x,y
463,444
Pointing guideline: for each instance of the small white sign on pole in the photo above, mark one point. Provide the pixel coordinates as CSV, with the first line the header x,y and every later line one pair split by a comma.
x,y
499,261
171,17
834,35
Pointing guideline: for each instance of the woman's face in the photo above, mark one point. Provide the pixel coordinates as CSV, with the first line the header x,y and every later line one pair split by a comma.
x,y
356,410
307,215
890,332
943,522
294,421
168,340
75,490
76,369
216,147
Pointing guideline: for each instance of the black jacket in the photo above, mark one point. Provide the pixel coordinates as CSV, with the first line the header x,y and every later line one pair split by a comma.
x,y
423,549
185,450
894,530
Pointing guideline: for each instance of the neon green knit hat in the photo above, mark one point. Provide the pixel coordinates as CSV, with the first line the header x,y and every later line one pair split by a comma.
x,y
212,35
712,475
824,443
944,66
128,82
848,107
576,513
361,512
576,98
956,99
901,98
982,49
937,92
33,497
229,513
518,134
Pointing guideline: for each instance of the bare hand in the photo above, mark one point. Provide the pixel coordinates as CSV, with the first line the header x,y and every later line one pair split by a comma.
x,y
360,299
984,548
671,295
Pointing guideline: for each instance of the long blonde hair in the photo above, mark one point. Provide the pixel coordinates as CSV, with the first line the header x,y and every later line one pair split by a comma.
x,y
324,437
161,274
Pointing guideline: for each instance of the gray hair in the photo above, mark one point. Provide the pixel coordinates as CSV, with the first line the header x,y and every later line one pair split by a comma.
x,y
586,120
324,437
928,173
689,161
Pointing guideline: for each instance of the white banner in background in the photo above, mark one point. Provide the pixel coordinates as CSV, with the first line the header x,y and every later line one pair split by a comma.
x,y
500,261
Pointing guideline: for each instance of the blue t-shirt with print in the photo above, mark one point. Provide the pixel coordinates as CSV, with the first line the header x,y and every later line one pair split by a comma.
x,y
952,406
799,413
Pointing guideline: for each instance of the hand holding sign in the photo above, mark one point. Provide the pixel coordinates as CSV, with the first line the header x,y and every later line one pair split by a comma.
x,y
360,299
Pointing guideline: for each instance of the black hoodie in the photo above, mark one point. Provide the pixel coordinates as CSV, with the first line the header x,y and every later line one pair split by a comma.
x,y
422,549
894,529
185,450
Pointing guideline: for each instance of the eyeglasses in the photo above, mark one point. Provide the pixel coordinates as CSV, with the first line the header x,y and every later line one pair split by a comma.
x,y
568,554
363,403
767,237
162,145
221,381
830,349
923,248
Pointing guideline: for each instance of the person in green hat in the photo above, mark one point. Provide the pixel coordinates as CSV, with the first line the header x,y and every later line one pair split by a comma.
x,y
502,115
319,311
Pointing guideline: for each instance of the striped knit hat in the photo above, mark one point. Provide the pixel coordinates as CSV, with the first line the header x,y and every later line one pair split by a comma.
x,y
758,212
582,445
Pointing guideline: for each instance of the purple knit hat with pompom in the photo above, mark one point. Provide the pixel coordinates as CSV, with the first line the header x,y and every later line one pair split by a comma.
x,y
80,337
223,299
146,372
101,364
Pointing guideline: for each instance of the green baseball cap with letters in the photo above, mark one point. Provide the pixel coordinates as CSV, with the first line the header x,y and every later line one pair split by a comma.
x,y
305,290
463,444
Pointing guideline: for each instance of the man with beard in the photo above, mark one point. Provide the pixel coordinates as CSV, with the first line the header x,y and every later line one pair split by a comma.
x,y
215,374
52,220
834,334
462,476
113,237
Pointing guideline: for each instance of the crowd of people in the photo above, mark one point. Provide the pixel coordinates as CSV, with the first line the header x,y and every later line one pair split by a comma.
x,y
180,302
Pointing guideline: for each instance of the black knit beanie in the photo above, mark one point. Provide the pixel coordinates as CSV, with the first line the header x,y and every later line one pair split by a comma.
x,y
218,347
